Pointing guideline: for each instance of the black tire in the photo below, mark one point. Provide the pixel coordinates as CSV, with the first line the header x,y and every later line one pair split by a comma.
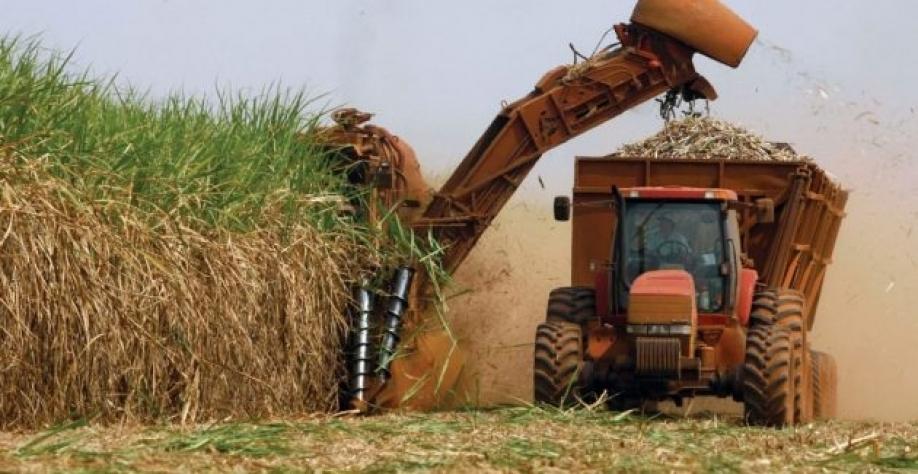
x,y
558,363
768,382
575,305
786,308
825,385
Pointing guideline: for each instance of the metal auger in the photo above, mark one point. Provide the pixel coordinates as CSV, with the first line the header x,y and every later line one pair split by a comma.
x,y
360,355
398,303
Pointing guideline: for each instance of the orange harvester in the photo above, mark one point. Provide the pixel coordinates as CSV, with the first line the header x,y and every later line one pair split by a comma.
x,y
723,311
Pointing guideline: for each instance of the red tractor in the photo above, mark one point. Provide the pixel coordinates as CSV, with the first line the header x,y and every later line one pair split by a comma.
x,y
694,277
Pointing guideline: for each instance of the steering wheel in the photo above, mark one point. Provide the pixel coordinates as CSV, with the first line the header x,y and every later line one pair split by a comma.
x,y
673,251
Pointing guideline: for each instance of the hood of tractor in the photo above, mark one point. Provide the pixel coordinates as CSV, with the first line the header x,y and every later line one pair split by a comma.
x,y
662,319
663,297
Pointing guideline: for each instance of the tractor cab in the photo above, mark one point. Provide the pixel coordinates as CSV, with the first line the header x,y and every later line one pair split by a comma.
x,y
672,291
688,231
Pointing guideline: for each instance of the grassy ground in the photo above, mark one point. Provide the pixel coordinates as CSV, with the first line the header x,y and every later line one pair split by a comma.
x,y
510,439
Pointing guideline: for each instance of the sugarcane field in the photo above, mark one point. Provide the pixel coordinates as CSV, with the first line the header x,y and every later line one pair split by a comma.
x,y
637,236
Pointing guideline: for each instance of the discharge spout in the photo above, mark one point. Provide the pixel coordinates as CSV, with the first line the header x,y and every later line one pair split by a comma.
x,y
708,26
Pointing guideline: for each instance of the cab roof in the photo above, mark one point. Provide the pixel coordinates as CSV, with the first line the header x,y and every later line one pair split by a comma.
x,y
679,193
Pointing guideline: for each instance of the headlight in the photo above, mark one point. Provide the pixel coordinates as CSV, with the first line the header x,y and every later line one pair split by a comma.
x,y
659,329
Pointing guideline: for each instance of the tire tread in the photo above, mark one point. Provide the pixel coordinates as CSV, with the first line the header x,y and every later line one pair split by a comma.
x,y
558,361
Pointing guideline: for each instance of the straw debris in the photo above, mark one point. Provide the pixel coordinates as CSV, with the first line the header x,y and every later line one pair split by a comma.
x,y
707,138
120,320
520,439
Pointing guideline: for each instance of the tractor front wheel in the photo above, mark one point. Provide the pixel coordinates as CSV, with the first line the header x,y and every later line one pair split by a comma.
x,y
558,363
575,305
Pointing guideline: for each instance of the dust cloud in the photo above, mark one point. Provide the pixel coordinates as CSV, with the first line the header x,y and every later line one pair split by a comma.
x,y
866,318
506,280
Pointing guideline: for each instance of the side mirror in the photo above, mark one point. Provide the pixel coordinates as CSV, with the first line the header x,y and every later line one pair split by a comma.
x,y
765,210
562,208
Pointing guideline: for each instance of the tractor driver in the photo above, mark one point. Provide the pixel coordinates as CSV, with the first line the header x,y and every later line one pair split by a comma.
x,y
669,245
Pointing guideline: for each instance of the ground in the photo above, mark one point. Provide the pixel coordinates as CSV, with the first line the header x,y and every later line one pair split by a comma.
x,y
506,439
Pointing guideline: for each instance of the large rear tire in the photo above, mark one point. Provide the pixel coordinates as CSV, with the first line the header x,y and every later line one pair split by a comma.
x,y
575,305
768,382
785,307
558,363
825,385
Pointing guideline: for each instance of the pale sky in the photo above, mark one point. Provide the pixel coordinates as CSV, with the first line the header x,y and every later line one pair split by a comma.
x,y
435,72
837,78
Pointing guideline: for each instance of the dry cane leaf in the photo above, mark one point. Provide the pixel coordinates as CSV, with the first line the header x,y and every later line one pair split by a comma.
x,y
707,138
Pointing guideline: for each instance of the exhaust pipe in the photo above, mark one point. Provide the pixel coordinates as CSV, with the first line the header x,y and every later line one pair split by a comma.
x,y
398,303
360,355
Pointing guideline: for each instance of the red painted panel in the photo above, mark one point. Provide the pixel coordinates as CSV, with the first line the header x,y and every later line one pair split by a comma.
x,y
664,282
602,292
712,319
748,278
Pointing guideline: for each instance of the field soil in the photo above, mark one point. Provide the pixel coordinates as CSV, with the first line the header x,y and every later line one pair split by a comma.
x,y
509,439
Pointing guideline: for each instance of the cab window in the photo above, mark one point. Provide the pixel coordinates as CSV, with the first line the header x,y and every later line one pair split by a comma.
x,y
661,235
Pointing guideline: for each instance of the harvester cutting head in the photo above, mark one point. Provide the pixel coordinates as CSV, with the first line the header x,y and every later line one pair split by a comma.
x,y
350,117
707,26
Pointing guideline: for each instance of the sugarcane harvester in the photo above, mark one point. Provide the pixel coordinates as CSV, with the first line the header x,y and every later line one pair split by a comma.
x,y
653,57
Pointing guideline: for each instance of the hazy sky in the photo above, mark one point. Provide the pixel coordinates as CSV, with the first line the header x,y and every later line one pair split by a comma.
x,y
837,78
436,72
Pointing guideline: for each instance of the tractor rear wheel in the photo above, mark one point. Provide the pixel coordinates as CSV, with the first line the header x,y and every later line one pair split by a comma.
x,y
825,385
768,379
558,363
785,307
575,305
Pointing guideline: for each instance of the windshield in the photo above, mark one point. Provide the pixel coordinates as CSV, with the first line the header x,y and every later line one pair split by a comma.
x,y
663,235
